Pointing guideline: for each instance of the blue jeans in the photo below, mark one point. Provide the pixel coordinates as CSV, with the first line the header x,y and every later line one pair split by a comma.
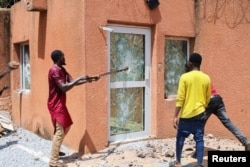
x,y
216,106
185,128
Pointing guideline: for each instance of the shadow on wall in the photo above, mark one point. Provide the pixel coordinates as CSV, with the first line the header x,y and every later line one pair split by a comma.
x,y
155,15
39,128
86,142
42,34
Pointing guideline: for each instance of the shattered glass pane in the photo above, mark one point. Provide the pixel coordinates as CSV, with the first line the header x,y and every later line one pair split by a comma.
x,y
25,67
127,104
127,50
127,110
176,52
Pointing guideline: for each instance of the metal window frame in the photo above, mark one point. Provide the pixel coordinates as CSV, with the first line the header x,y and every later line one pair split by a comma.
x,y
23,57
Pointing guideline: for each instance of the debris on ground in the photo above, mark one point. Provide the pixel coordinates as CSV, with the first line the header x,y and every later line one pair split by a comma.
x,y
23,148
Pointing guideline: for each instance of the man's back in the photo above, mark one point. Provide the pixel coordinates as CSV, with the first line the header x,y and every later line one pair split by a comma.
x,y
57,98
193,93
193,96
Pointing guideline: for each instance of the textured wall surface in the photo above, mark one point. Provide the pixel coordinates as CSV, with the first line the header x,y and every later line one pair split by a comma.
x,y
5,102
223,38
74,28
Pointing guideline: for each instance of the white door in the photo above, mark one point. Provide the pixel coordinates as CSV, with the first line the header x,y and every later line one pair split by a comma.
x,y
129,91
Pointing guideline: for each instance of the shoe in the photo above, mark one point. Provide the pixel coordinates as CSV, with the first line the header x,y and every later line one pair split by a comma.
x,y
61,154
57,164
247,146
175,164
194,155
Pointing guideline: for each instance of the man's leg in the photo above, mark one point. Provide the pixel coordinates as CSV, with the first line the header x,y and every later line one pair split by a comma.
x,y
208,112
182,132
56,144
210,108
179,146
61,154
222,115
198,137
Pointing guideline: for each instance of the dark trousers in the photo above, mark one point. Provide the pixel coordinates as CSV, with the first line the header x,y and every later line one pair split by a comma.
x,y
186,127
216,106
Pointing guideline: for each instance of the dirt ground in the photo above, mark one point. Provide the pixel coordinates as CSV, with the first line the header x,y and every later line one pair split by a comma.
x,y
151,153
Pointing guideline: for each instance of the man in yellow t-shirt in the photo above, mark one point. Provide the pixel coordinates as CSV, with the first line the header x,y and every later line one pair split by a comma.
x,y
193,96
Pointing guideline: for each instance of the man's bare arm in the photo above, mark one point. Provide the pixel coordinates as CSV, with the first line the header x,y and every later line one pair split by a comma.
x,y
69,85
176,119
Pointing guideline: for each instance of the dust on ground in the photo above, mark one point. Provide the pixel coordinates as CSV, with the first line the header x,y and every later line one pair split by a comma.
x,y
152,153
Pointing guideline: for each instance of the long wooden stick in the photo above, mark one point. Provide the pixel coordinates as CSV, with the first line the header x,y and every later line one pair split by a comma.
x,y
95,78
113,72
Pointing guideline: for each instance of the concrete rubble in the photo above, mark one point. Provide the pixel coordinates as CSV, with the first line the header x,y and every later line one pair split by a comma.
x,y
142,153
6,122
156,152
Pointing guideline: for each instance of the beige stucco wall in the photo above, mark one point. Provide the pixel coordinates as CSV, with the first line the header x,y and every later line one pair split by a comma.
x,y
72,26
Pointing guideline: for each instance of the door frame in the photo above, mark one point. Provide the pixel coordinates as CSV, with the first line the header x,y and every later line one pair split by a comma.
x,y
147,97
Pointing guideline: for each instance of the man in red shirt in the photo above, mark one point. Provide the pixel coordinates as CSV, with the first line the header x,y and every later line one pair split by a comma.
x,y
217,107
60,81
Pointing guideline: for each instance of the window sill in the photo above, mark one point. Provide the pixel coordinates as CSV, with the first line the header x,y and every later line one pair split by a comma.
x,y
171,98
20,91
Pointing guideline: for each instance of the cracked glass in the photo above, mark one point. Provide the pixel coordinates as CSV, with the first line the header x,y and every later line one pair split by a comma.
x,y
127,103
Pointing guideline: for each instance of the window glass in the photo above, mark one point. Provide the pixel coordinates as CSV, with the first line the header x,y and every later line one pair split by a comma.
x,y
127,50
25,66
176,53
127,104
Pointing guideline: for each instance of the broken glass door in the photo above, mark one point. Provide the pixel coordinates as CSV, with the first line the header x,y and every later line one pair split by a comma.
x,y
129,90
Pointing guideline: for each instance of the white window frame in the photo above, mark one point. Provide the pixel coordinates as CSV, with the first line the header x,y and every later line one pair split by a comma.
x,y
25,67
146,132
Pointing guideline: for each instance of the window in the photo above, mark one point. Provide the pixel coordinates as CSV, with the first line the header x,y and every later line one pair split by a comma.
x,y
129,94
25,67
176,54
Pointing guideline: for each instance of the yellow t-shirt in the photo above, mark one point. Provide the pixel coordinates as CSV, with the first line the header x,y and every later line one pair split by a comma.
x,y
194,93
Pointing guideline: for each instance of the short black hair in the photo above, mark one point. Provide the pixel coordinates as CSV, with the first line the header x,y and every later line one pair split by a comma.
x,y
186,67
56,55
195,58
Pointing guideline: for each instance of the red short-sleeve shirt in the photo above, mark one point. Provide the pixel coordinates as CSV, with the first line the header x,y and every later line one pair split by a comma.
x,y
57,98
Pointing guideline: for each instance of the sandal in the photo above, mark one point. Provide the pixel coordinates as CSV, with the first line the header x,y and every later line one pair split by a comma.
x,y
61,154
